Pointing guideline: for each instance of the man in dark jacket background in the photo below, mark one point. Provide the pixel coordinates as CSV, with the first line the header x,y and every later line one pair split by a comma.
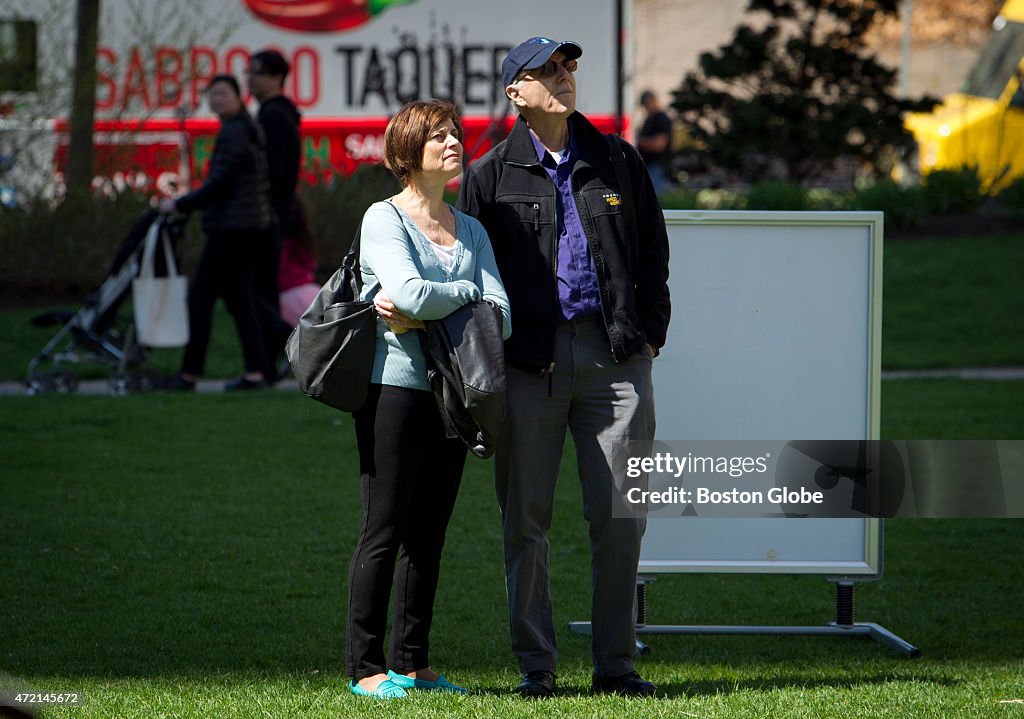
x,y
585,262
279,119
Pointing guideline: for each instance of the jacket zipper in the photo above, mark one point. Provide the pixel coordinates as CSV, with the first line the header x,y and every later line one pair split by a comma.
x,y
550,369
601,289
554,270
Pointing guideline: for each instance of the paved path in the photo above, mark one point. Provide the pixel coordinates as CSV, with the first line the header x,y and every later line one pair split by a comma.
x,y
101,387
989,373
210,386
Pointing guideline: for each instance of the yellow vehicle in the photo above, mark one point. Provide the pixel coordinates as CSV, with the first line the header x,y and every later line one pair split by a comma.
x,y
982,126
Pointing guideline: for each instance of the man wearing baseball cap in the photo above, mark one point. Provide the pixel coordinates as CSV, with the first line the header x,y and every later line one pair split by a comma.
x,y
581,245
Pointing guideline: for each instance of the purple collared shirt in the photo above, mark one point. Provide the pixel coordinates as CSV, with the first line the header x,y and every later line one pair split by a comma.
x,y
578,294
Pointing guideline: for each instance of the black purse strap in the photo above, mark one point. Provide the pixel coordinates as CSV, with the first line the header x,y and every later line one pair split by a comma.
x,y
351,259
349,285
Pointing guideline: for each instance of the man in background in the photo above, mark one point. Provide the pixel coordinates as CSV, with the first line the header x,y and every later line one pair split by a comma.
x,y
279,119
655,140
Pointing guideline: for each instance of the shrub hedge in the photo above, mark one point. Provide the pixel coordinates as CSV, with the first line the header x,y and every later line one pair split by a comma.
x,y
64,248
1011,198
947,191
336,208
67,248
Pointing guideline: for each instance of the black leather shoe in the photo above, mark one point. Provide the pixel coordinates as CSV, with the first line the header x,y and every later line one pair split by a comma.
x,y
539,683
628,685
177,383
242,383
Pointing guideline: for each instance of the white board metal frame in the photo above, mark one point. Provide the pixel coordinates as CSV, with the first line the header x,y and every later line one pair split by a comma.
x,y
811,315
827,267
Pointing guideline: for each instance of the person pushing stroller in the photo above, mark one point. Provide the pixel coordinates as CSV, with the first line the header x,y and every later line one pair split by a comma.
x,y
235,200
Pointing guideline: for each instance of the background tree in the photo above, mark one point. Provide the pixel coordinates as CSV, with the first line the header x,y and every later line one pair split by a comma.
x,y
796,90
83,98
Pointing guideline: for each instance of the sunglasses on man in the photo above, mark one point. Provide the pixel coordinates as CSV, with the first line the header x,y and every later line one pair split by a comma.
x,y
549,69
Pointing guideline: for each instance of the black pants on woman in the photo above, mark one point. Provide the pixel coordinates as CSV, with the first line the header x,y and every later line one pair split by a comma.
x,y
225,270
410,475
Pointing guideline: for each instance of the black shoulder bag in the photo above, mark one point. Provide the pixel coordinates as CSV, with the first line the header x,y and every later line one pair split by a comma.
x,y
331,349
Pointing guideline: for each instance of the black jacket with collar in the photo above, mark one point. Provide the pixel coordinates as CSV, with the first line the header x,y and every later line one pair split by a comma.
x,y
236,194
511,194
280,121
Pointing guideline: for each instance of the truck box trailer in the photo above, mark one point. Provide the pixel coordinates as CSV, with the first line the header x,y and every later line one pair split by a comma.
x,y
982,125
354,63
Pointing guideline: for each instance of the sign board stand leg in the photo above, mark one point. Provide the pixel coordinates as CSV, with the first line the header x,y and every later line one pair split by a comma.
x,y
843,626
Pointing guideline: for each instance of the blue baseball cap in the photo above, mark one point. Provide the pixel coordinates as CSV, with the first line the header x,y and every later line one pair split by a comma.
x,y
533,53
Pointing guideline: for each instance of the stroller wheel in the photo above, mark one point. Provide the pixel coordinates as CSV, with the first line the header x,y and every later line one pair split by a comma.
x,y
121,385
65,382
38,383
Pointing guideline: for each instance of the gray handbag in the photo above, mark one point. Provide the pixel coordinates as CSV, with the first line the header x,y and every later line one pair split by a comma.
x,y
331,349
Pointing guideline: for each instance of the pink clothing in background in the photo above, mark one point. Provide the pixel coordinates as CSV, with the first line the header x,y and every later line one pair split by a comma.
x,y
296,300
295,280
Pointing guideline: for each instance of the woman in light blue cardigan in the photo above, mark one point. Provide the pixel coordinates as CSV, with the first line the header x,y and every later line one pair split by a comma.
x,y
420,260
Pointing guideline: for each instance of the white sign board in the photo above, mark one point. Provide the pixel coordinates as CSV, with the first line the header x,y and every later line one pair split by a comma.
x,y
775,335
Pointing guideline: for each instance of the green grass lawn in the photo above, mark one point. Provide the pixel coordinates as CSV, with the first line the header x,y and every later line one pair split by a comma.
x,y
185,556
953,302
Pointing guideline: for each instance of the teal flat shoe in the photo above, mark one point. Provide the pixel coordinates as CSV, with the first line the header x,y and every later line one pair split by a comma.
x,y
387,689
441,685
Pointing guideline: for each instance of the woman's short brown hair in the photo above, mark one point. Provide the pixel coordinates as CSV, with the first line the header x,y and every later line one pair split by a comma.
x,y
407,133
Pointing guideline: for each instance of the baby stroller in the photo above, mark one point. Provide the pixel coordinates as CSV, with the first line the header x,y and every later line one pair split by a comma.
x,y
98,334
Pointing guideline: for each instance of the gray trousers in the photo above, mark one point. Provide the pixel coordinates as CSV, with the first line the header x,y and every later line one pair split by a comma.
x,y
604,405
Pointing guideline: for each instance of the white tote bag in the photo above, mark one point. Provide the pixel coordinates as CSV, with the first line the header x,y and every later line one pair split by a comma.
x,y
161,303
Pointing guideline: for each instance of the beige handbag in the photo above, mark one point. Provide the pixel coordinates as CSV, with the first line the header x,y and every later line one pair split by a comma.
x,y
160,303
